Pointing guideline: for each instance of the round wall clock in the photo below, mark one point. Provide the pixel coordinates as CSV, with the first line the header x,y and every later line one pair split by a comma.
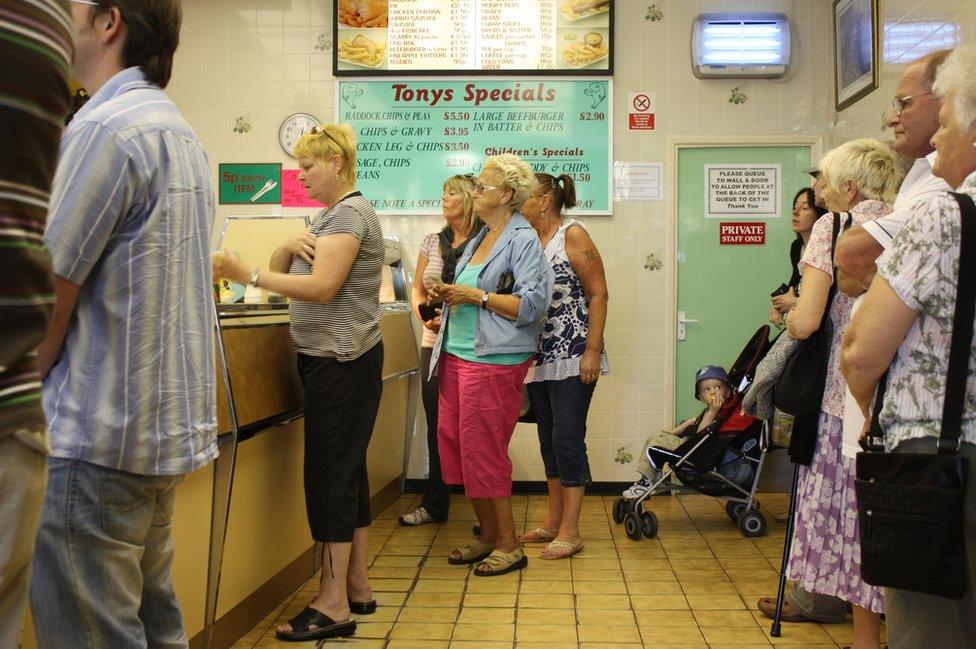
x,y
292,128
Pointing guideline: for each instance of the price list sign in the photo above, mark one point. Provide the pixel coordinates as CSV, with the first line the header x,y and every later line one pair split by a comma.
x,y
412,136
453,37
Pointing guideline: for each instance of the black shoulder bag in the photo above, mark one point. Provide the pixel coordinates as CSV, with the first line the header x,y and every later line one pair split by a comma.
x,y
910,505
800,388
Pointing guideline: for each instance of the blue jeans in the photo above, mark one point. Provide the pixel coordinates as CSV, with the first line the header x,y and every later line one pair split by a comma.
x,y
560,409
102,561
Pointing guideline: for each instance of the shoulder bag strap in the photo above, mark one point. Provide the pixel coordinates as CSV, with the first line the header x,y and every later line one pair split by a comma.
x,y
960,348
838,228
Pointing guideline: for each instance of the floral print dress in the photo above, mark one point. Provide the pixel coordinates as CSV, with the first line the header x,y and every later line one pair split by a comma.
x,y
562,340
825,556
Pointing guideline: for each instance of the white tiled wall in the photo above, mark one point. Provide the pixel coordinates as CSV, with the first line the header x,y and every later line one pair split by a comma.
x,y
258,59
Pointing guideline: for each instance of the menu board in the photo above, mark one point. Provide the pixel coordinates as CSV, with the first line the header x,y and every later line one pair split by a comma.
x,y
412,136
454,37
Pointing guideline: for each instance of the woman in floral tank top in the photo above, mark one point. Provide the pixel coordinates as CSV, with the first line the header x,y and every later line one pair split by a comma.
x,y
570,359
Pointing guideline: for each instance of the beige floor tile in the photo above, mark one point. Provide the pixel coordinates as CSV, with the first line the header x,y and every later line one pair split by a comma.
x,y
412,631
545,632
480,644
434,599
654,588
665,618
546,586
725,618
381,614
486,615
539,571
431,614
393,549
599,587
605,617
599,633
799,634
589,574
492,585
529,600
391,585
490,632
439,586
417,644
610,645
506,600
394,600
386,572
731,635
582,564
713,603
560,616
396,560
659,602
446,572
547,645
373,629
654,636
602,601
708,588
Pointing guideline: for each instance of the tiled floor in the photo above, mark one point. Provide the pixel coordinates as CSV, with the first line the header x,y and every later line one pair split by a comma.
x,y
695,586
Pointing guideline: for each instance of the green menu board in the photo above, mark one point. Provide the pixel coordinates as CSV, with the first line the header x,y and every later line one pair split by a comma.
x,y
412,135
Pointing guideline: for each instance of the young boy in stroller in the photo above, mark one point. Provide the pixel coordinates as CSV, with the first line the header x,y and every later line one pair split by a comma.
x,y
719,453
713,388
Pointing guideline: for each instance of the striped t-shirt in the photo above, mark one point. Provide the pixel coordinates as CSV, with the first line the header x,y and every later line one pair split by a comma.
x,y
35,54
348,325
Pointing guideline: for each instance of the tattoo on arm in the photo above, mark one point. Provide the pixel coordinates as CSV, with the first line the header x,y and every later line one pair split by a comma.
x,y
589,254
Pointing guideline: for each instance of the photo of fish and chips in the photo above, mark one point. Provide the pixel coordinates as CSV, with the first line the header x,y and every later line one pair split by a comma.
x,y
582,48
574,11
362,34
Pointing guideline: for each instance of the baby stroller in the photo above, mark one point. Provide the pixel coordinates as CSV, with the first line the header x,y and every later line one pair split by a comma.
x,y
697,466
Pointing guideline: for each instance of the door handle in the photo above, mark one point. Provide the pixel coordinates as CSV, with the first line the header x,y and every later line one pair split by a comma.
x,y
682,321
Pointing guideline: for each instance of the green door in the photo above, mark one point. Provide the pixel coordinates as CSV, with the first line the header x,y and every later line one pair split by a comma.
x,y
726,287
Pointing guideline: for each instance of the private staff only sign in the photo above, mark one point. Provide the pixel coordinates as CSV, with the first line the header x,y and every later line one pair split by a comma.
x,y
742,234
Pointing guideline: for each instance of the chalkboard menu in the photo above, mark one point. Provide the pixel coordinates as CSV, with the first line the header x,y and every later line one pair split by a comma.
x,y
411,136
461,37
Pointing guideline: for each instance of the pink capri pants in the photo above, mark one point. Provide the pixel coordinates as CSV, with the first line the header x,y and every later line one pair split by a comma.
x,y
477,410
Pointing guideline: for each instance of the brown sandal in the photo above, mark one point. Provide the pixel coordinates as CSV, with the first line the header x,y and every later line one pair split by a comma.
x,y
499,563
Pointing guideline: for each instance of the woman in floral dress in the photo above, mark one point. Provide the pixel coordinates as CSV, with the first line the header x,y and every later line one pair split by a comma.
x,y
570,360
857,177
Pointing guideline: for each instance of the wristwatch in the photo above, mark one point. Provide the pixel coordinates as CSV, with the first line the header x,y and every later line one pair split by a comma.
x,y
253,279
484,300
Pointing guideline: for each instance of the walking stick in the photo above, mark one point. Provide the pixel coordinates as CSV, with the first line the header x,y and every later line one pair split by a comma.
x,y
774,631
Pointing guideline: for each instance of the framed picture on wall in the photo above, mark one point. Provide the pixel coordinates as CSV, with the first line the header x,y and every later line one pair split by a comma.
x,y
855,50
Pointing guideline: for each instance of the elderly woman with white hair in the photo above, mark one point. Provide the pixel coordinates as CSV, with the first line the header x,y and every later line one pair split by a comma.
x,y
489,332
906,322
858,178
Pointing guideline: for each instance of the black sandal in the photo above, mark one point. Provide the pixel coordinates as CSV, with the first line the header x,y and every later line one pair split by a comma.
x,y
326,627
363,608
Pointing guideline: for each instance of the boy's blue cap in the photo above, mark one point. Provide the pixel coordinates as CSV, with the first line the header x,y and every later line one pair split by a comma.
x,y
711,372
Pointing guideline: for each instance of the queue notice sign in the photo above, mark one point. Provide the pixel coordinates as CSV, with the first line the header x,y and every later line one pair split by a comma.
x,y
413,135
742,190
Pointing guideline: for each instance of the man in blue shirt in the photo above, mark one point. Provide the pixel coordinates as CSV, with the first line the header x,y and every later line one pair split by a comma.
x,y
129,392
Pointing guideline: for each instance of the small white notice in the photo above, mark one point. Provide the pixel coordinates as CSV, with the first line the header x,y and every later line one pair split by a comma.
x,y
742,191
638,181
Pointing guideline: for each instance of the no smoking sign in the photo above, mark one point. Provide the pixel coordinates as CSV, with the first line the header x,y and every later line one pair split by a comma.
x,y
640,106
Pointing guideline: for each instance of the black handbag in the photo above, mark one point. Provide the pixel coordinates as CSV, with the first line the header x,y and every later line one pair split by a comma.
x,y
910,505
800,388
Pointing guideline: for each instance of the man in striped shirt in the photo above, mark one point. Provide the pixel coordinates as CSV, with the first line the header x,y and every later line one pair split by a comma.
x,y
35,54
130,397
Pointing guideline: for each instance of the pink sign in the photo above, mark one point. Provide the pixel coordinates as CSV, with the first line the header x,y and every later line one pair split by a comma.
x,y
293,193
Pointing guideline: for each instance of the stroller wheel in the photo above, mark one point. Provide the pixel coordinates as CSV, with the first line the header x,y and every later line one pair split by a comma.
x,y
619,509
734,510
752,524
649,524
632,526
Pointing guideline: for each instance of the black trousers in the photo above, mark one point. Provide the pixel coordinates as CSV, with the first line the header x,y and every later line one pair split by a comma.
x,y
437,495
341,401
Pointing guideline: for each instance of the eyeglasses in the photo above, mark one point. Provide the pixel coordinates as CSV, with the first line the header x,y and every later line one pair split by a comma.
x,y
481,188
86,2
320,130
898,104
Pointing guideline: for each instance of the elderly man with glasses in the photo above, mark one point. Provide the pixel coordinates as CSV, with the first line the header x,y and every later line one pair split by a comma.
x,y
913,117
